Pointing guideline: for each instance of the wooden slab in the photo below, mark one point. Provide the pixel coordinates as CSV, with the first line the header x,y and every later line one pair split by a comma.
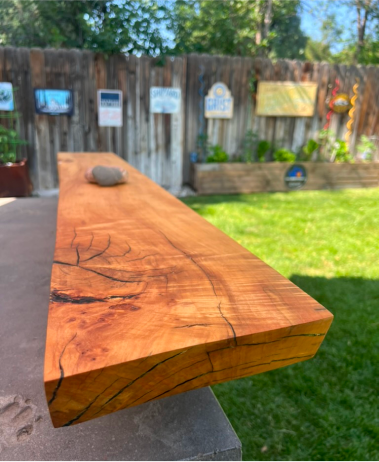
x,y
149,300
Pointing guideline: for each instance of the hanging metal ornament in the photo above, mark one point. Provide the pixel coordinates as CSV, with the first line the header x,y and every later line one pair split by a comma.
x,y
329,114
350,122
340,103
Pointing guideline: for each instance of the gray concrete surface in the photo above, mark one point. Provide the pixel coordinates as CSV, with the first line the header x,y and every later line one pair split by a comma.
x,y
190,426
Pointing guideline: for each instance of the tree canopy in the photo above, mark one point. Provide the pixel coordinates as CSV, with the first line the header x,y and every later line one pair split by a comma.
x,y
107,26
270,28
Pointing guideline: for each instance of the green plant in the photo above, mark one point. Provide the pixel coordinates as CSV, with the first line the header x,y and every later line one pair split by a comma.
x,y
284,155
202,147
309,149
249,144
366,148
263,147
325,138
9,141
340,152
217,154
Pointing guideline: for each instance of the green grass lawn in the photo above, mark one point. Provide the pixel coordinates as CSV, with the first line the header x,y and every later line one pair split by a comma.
x,y
328,244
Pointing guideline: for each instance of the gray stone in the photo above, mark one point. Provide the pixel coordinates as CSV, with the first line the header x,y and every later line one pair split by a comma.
x,y
190,426
106,176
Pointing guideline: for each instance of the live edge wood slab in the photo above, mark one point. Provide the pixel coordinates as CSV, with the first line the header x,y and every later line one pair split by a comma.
x,y
149,300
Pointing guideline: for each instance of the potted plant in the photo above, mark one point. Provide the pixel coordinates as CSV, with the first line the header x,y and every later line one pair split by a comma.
x,y
14,174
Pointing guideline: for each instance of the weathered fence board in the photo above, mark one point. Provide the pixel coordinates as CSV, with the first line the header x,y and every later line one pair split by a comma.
x,y
159,145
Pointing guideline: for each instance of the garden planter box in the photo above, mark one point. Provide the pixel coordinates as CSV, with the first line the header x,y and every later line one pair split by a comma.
x,y
15,180
235,178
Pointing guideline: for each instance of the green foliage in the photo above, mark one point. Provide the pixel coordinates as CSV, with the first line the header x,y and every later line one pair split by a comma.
x,y
325,138
326,243
237,27
284,155
9,141
340,152
263,147
318,52
366,148
217,154
287,41
333,151
202,146
325,134
309,149
249,146
106,26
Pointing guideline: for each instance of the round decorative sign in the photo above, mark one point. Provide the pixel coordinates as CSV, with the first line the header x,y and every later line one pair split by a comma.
x,y
295,177
340,103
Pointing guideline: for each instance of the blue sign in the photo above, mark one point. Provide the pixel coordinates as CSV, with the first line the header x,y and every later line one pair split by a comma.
x,y
295,177
219,102
6,97
53,102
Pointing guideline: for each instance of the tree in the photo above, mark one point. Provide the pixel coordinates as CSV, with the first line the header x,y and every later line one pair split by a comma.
x,y
224,27
237,27
318,51
107,26
287,38
364,11
359,41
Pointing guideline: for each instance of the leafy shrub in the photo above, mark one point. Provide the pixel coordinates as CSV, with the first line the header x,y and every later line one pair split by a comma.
x,y
202,146
340,152
249,144
9,141
263,147
326,141
309,149
366,148
217,154
284,155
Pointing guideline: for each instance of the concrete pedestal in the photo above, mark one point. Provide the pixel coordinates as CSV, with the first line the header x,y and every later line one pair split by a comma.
x,y
190,426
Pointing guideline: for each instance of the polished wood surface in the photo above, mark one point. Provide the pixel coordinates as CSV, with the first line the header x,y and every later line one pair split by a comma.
x,y
149,300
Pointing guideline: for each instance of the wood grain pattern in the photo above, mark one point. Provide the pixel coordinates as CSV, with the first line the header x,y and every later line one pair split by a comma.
x,y
149,300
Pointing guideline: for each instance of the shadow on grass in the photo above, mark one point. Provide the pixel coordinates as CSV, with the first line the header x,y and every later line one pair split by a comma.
x,y
350,296
325,408
198,203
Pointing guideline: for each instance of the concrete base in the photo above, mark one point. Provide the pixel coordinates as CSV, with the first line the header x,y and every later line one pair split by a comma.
x,y
190,426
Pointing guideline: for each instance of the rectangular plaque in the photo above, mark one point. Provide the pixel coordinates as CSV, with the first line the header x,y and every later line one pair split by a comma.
x,y
219,102
165,100
110,108
286,99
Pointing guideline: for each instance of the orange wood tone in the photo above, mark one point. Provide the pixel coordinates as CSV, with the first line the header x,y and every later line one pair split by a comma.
x,y
149,300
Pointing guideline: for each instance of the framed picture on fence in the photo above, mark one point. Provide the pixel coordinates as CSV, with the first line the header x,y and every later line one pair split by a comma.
x,y
54,102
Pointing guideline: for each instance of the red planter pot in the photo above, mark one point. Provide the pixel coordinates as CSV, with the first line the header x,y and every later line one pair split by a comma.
x,y
15,180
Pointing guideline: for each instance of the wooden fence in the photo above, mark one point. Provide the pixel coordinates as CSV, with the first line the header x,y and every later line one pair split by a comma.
x,y
159,145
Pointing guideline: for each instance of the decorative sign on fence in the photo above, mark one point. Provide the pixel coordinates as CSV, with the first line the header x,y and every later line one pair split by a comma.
x,y
110,108
219,102
6,97
165,100
286,99
54,102
295,177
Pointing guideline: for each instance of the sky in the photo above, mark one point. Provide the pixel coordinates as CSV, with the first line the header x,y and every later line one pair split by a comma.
x,y
315,10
